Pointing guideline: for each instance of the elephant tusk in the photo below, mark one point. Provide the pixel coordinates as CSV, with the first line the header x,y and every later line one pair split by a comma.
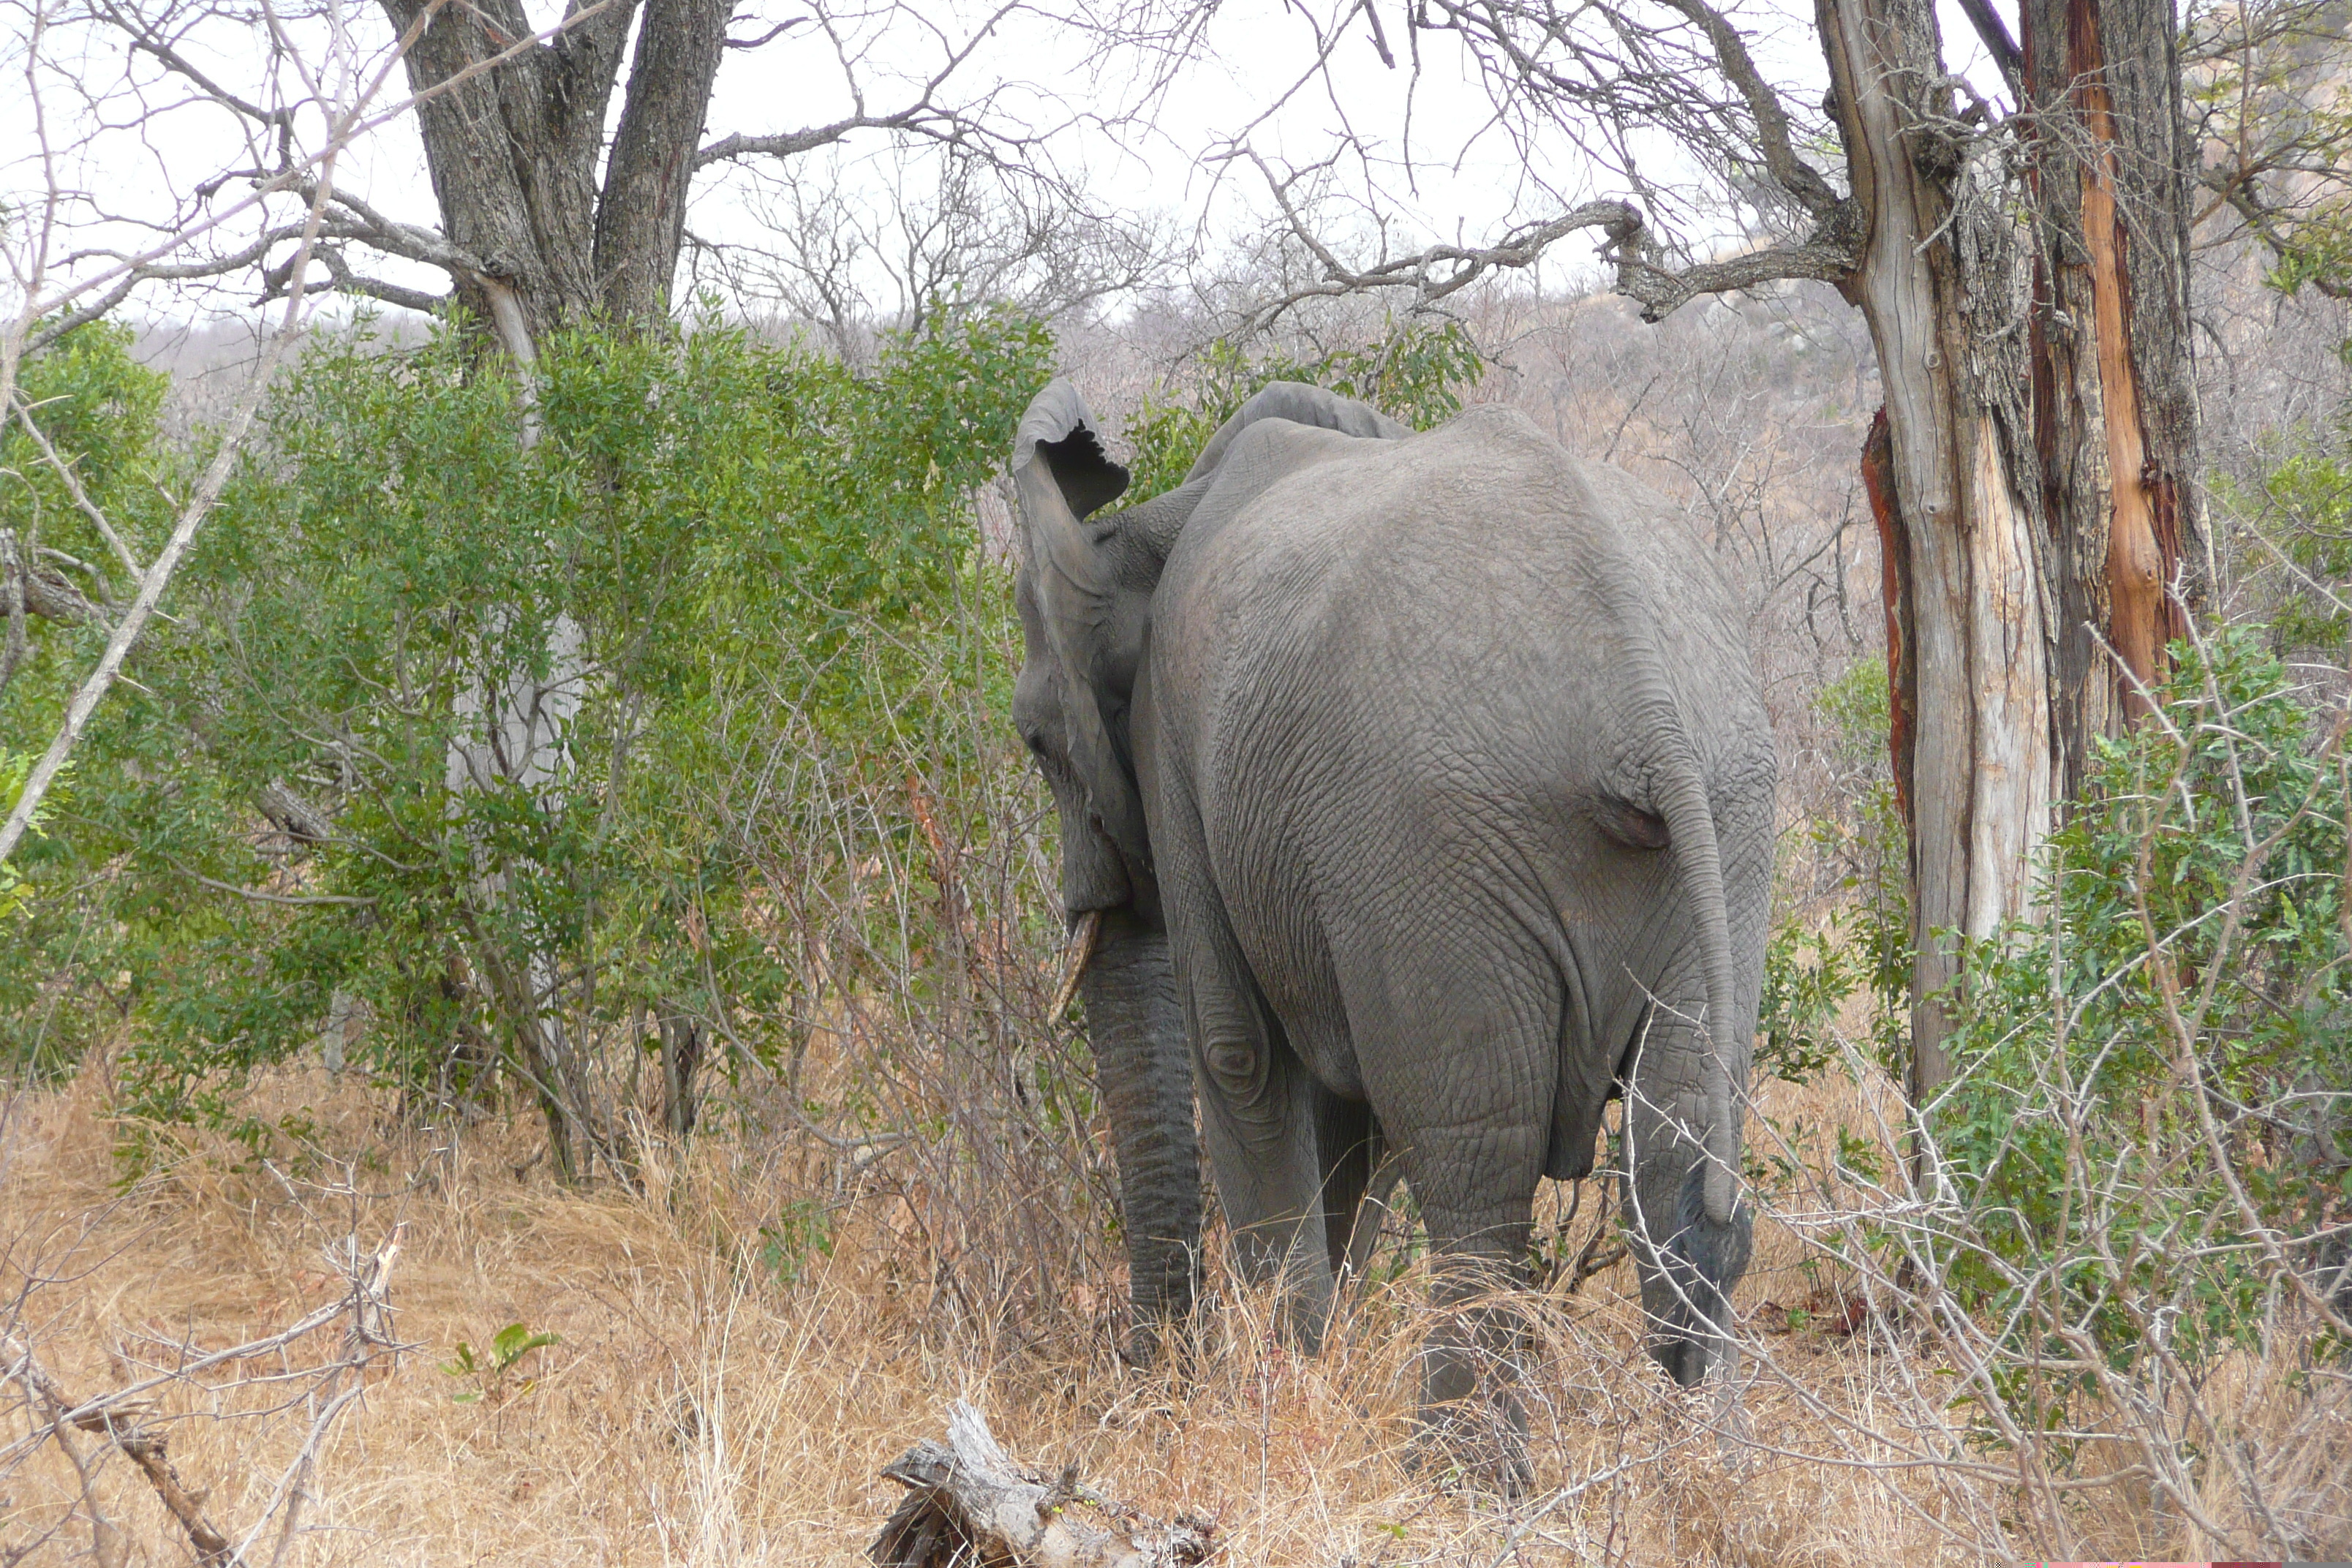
x,y
1082,950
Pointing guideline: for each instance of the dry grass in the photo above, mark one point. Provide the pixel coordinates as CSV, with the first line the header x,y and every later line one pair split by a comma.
x,y
725,1389
704,1406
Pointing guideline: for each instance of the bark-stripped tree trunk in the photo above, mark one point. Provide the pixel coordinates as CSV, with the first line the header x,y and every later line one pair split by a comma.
x,y
1935,284
2033,473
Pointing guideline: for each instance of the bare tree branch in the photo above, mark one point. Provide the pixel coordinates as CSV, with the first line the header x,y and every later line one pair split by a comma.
x,y
1796,176
771,36
1994,33
1440,270
73,487
344,280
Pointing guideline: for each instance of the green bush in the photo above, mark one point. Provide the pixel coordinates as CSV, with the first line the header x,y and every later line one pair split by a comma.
x,y
1416,372
1811,968
764,555
2176,1025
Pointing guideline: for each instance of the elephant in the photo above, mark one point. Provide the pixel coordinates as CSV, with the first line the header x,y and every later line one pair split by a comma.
x,y
1416,795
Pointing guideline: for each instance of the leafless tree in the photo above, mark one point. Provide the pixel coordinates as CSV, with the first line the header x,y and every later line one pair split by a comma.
x,y
945,226
554,206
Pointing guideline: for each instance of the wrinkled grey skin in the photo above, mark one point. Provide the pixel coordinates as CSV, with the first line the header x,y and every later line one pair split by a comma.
x,y
1427,790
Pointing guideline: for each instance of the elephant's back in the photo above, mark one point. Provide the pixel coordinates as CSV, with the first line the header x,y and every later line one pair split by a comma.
x,y
1444,609
1390,682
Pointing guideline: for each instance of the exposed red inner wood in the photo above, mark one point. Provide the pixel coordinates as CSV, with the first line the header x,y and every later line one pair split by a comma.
x,y
2140,557
1879,481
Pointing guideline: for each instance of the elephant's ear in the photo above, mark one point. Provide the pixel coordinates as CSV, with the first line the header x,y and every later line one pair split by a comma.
x,y
1062,473
1301,404
1059,425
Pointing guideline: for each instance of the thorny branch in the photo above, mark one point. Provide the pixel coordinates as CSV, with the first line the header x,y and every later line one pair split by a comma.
x,y
1602,73
1627,245
2267,109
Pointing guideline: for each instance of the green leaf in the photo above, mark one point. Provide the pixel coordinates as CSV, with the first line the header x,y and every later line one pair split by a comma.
x,y
514,1342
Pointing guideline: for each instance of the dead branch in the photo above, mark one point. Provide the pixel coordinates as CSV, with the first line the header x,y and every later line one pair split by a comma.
x,y
967,1501
73,487
42,593
1829,254
144,1447
119,1416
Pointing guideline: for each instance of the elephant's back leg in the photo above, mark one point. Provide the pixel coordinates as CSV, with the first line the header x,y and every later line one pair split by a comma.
x,y
1459,1045
1456,1027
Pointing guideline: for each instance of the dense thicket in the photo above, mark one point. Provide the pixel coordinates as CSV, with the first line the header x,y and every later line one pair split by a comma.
x,y
757,552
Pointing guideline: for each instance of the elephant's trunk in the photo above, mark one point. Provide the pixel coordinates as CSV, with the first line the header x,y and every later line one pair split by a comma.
x,y
1682,801
1136,1026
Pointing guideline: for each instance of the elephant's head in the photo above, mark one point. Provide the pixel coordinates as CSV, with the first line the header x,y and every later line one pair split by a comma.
x,y
1085,594
1085,591
1075,617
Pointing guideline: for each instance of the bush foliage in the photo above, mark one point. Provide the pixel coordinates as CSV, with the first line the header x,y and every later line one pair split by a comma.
x,y
714,519
2151,1080
1417,372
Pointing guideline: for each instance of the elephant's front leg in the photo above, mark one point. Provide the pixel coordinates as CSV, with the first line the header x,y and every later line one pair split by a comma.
x,y
1135,1022
1258,1117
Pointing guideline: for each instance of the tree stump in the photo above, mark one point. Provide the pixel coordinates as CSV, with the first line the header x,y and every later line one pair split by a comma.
x,y
968,1503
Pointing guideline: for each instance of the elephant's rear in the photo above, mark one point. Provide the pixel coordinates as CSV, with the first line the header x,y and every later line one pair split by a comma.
x,y
1435,787
1408,672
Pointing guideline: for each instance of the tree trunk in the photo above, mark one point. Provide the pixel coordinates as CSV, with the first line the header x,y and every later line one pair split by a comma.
x,y
513,150
641,221
2033,476
513,154
682,1054
2115,405
1973,676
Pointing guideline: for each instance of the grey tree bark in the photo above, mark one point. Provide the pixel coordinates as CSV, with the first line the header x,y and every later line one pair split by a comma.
x,y
513,151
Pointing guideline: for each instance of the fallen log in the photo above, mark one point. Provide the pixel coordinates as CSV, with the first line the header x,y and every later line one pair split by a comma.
x,y
969,1506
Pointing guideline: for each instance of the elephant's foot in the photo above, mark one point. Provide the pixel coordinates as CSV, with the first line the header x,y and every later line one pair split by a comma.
x,y
1160,1341
1478,1444
1472,1429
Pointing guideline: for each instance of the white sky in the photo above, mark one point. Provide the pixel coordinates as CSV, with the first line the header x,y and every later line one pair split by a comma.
x,y
1467,184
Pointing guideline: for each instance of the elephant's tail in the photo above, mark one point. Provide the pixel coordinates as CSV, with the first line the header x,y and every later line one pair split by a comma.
x,y
1680,790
